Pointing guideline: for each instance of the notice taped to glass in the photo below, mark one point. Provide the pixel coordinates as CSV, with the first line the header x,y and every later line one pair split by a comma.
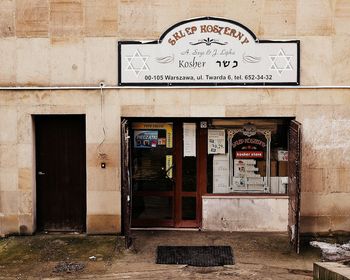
x,y
208,51
189,139
216,141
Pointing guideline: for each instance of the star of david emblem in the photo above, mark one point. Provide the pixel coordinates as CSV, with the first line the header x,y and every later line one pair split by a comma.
x,y
281,62
137,62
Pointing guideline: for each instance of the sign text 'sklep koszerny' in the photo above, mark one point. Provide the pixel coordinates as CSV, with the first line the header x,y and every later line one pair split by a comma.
x,y
205,28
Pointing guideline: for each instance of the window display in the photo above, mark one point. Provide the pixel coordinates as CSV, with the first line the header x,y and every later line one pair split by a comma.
x,y
254,159
247,145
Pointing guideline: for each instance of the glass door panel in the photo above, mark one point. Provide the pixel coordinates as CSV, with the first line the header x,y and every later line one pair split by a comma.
x,y
152,207
189,208
189,174
153,183
149,170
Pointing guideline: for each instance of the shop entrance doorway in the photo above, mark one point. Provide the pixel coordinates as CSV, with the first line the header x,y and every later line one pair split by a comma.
x,y
60,172
170,167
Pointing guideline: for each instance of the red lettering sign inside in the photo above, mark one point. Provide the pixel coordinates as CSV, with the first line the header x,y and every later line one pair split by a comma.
x,y
249,154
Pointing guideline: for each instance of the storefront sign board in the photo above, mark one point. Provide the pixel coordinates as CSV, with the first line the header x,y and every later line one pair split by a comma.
x,y
208,52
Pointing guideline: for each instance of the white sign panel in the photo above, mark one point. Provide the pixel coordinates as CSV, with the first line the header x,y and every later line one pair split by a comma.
x,y
221,173
189,131
208,51
216,141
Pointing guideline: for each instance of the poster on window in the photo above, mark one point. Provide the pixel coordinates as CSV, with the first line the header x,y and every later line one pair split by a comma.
x,y
168,127
145,138
169,166
216,141
189,131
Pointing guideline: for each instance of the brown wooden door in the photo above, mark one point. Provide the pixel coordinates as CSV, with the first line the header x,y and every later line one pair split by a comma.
x,y
61,172
294,174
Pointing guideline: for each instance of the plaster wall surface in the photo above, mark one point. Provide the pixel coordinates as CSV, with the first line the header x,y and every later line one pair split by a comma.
x,y
245,214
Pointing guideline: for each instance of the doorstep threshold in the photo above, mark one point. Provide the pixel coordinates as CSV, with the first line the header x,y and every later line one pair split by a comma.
x,y
166,228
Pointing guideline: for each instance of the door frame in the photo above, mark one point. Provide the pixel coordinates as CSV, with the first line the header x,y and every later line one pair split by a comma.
x,y
201,167
168,193
35,119
126,182
294,183
201,160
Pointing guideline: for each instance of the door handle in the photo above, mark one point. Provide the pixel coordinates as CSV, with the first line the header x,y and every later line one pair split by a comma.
x,y
41,173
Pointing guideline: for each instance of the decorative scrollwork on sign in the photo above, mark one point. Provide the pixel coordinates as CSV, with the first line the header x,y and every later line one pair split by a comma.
x,y
165,59
267,133
232,132
208,42
250,59
249,130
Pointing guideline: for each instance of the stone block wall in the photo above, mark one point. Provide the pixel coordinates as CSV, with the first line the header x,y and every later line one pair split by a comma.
x,y
17,156
74,42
